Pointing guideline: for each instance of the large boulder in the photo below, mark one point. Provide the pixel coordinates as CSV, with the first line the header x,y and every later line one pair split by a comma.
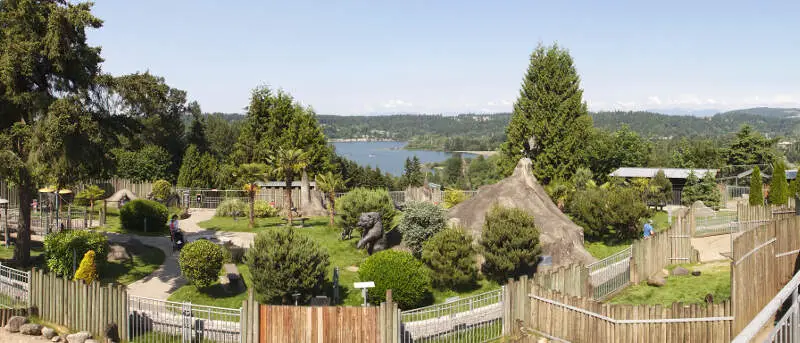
x,y
656,280
310,199
15,322
117,252
30,329
48,332
79,337
560,237
701,210
680,271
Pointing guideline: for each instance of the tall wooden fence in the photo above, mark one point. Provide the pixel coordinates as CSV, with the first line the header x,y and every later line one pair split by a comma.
x,y
305,324
649,256
77,305
572,280
763,261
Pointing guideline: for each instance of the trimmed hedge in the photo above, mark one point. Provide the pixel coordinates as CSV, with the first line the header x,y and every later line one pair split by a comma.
x,y
135,214
399,271
201,262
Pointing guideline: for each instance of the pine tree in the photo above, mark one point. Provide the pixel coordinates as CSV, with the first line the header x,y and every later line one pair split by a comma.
x,y
87,271
779,188
550,119
408,171
197,129
197,170
417,178
709,192
691,190
663,187
756,195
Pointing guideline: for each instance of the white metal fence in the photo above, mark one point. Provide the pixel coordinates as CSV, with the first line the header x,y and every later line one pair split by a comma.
x,y
477,318
784,312
15,287
717,224
610,274
153,320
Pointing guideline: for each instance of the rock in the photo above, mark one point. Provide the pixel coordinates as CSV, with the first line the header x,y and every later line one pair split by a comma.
x,y
112,332
31,329
57,339
48,332
656,280
664,273
15,322
117,252
680,271
696,273
90,341
79,337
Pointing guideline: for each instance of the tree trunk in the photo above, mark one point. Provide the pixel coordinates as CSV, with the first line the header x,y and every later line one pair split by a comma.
x,y
332,196
22,248
91,210
252,207
287,193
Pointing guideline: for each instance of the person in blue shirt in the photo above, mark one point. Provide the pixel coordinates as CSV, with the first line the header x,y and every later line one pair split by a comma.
x,y
648,229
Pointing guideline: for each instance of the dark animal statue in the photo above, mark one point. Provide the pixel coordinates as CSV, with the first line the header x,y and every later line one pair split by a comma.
x,y
372,237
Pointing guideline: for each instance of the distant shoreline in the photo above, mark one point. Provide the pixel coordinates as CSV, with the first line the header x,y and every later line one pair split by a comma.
x,y
352,140
482,153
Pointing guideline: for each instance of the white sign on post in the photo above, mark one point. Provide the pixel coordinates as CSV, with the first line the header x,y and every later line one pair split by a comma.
x,y
363,286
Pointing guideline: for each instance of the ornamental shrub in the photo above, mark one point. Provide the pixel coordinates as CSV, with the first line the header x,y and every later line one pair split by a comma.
x,y
453,197
611,214
140,212
779,188
756,195
162,189
87,270
399,271
360,200
510,244
201,262
420,221
283,262
263,209
451,257
230,206
62,248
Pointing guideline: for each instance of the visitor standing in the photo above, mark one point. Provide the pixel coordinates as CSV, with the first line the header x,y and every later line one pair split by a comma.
x,y
648,229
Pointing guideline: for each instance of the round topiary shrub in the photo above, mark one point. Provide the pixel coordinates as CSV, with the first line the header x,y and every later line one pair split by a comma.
x,y
62,248
228,207
200,262
399,271
162,189
87,272
451,257
144,216
420,221
282,263
510,242
262,209
360,200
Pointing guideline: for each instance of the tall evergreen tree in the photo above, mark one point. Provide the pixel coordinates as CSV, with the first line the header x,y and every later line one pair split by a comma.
x,y
417,178
709,192
691,190
196,135
550,119
750,147
197,170
779,188
756,195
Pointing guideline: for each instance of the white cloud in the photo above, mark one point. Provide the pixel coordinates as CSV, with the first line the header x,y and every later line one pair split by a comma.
x,y
653,100
397,103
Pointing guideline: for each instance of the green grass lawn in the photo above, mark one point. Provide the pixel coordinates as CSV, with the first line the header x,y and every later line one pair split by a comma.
x,y
144,261
715,279
214,295
660,221
601,250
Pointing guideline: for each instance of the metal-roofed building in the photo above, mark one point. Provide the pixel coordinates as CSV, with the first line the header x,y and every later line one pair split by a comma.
x,y
677,176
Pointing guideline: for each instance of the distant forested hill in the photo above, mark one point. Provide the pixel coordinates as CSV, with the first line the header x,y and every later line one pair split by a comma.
x,y
405,127
656,125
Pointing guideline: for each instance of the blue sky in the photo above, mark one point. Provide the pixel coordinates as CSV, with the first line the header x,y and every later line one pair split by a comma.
x,y
365,57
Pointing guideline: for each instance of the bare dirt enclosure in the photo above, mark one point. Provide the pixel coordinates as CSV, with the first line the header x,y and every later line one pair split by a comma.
x,y
560,237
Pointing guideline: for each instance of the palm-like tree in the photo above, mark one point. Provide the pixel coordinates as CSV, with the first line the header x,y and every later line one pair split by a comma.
x,y
286,164
329,183
91,193
249,175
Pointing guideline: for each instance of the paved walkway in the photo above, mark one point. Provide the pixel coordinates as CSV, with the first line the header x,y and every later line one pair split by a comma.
x,y
167,278
711,248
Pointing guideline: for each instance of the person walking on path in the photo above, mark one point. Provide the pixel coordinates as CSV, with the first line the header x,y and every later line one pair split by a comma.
x,y
648,229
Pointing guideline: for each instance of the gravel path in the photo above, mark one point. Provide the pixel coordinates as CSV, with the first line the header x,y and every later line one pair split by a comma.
x,y
7,337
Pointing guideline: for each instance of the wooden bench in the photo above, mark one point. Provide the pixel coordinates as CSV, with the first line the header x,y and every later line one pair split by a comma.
x,y
301,219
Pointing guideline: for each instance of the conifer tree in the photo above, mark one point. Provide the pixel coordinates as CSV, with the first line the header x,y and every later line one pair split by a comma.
x,y
87,271
779,188
550,120
756,197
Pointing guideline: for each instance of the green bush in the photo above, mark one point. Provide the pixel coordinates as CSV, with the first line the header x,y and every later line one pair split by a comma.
x,y
420,221
453,197
613,213
451,257
756,195
360,200
283,262
162,189
399,271
779,188
228,207
510,244
63,248
233,253
201,262
263,209
135,214
704,190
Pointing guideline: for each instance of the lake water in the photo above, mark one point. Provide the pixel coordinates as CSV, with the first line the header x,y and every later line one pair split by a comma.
x,y
389,156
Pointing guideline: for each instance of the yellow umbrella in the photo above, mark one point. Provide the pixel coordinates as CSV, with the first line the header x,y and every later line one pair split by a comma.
x,y
51,190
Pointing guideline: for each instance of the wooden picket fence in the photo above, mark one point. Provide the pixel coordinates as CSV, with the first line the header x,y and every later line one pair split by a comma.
x,y
7,313
649,256
77,305
763,261
572,280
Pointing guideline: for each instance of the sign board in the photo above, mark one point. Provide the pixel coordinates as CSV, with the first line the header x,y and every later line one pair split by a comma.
x,y
360,285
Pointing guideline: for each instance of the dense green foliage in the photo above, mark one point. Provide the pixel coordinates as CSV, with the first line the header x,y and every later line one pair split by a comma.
x,y
201,262
451,257
779,188
330,183
405,127
149,163
142,215
661,189
262,209
161,190
550,120
610,213
510,244
361,200
229,207
756,188
198,170
419,222
453,197
704,190
87,271
283,262
751,147
399,271
62,249
412,173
